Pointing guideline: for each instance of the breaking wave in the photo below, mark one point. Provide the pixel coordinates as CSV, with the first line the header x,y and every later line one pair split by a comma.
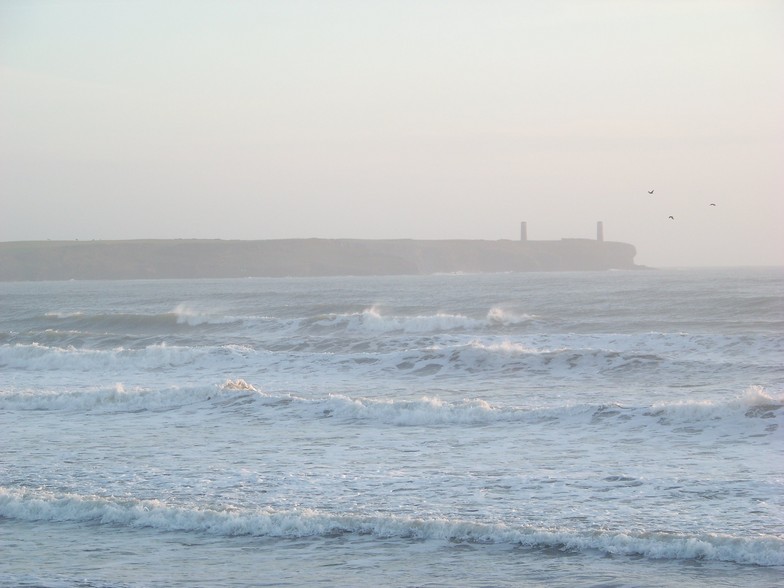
x,y
41,505
754,405
372,320
418,356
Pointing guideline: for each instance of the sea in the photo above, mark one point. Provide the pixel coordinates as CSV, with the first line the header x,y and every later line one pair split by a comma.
x,y
618,428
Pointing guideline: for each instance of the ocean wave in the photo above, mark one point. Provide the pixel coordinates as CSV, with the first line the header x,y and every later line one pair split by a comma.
x,y
189,315
229,520
119,398
372,320
420,357
38,357
182,315
754,407
470,348
754,402
530,357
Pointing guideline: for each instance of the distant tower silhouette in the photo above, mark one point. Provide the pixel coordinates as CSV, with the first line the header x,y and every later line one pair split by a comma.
x,y
523,231
600,231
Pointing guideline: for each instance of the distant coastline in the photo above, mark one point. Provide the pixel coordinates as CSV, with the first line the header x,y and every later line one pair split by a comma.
x,y
201,258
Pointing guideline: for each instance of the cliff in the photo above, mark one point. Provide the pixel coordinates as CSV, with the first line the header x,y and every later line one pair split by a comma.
x,y
144,259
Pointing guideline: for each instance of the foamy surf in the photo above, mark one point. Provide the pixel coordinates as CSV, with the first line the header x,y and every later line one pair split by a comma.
x,y
39,505
463,430
754,407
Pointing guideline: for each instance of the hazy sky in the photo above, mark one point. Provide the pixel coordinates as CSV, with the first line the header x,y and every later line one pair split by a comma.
x,y
417,119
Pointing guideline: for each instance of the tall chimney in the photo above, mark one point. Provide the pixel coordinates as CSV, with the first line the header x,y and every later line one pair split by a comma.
x,y
523,231
600,231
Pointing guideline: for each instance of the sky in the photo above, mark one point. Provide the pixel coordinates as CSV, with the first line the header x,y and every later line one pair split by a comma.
x,y
421,119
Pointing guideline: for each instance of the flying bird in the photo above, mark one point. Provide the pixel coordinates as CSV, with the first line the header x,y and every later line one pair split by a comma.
x,y
650,191
712,204
672,217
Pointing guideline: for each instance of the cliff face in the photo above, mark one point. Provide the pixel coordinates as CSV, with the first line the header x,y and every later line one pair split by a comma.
x,y
64,260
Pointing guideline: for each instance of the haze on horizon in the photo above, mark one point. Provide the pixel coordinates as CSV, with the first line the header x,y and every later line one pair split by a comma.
x,y
428,119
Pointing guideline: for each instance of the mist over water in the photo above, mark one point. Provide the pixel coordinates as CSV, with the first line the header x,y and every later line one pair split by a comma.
x,y
504,429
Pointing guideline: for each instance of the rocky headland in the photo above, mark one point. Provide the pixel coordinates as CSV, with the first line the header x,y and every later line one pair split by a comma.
x,y
197,258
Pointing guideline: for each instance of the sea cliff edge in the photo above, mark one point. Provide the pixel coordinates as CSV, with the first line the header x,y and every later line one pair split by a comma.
x,y
201,258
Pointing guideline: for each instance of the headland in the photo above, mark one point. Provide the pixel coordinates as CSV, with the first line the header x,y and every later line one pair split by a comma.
x,y
198,258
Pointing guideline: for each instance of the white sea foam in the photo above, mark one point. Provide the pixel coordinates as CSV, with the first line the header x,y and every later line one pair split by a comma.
x,y
189,315
426,411
499,316
64,314
238,384
373,320
754,401
41,505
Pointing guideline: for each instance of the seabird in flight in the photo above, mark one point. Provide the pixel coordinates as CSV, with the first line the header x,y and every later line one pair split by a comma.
x,y
672,217
650,191
712,204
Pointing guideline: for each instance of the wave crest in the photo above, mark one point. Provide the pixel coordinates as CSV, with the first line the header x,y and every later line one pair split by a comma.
x,y
373,320
41,505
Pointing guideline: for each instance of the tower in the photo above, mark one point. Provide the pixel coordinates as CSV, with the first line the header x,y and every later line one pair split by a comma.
x,y
600,231
523,231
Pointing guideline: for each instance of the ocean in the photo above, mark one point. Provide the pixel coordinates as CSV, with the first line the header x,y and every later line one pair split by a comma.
x,y
621,428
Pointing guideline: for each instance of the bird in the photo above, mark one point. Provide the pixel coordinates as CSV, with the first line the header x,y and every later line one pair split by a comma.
x,y
672,217
650,191
712,204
